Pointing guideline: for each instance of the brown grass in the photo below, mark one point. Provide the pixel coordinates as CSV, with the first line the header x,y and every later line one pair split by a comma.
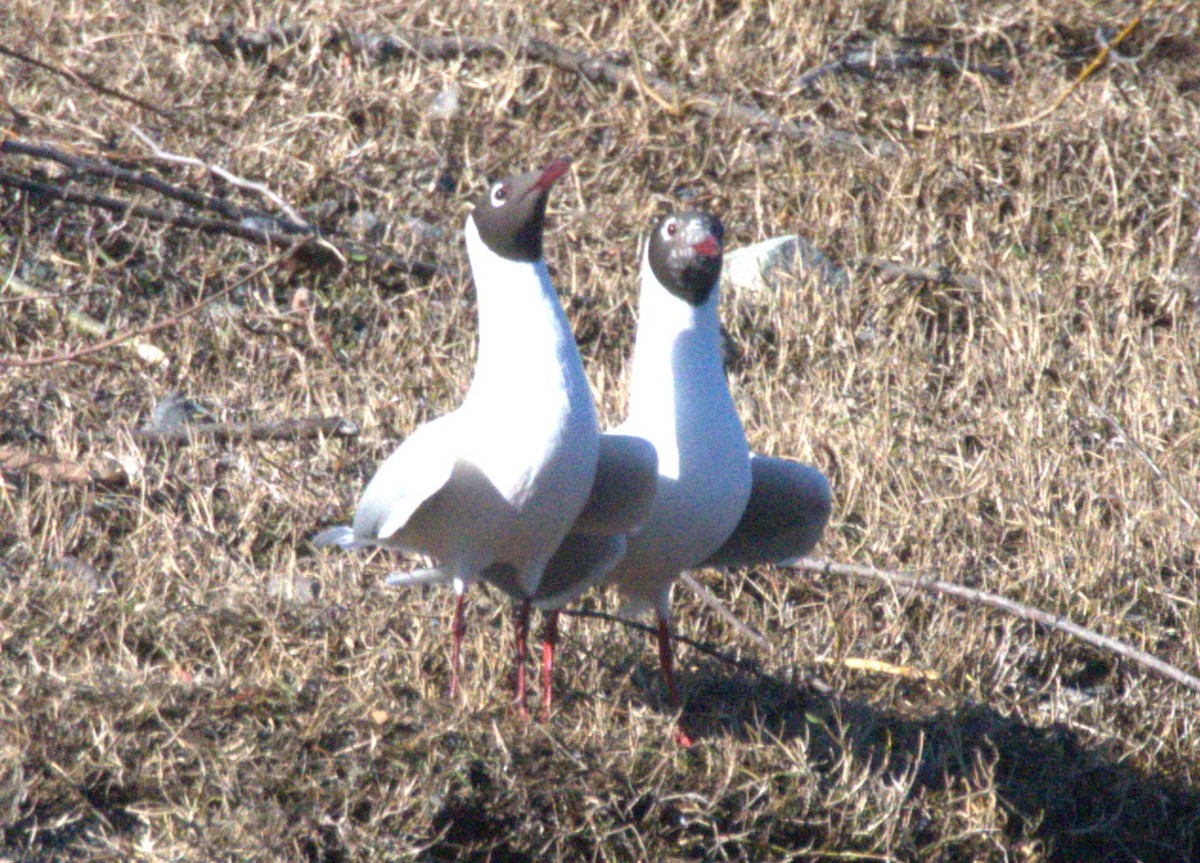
x,y
183,678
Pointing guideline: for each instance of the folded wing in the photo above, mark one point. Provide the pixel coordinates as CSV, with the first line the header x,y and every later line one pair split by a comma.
x,y
787,512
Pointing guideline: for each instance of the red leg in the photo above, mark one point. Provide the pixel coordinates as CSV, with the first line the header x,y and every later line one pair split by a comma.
x,y
549,642
666,659
457,630
522,630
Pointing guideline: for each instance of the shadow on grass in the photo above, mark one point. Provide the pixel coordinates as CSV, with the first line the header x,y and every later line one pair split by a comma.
x,y
1084,804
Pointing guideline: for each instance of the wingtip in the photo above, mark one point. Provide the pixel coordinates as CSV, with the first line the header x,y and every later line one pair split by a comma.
x,y
417,577
342,536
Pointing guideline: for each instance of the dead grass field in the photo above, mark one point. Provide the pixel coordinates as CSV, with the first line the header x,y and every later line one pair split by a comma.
x,y
182,676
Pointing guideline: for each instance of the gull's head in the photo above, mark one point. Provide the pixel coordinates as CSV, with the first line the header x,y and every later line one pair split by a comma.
x,y
510,214
685,254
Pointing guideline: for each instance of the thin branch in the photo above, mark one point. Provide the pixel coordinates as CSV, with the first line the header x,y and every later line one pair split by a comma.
x,y
892,271
707,650
870,61
598,71
88,81
144,179
1091,67
233,180
969,595
743,629
1145,456
314,250
290,429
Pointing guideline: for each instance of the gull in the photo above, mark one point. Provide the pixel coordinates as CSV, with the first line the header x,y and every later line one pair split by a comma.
x,y
490,490
717,504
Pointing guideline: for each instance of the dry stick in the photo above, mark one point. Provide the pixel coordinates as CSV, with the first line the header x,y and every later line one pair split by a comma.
x,y
303,427
100,168
1091,67
150,328
145,350
937,275
979,597
15,461
232,179
316,249
88,81
868,61
706,596
599,71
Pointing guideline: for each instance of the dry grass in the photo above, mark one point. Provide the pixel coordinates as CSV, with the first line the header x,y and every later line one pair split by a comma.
x,y
183,678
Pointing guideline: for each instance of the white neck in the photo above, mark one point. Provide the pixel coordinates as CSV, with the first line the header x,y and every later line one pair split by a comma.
x,y
526,349
678,391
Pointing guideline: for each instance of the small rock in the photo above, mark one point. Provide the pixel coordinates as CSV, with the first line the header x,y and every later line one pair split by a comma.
x,y
175,410
766,264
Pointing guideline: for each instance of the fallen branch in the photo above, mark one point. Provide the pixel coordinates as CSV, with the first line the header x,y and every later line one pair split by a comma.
x,y
716,107
706,596
928,584
146,351
162,155
313,249
868,62
88,81
144,179
16,461
292,429
892,271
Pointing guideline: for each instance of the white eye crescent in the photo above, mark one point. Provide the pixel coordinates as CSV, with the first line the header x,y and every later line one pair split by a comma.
x,y
499,194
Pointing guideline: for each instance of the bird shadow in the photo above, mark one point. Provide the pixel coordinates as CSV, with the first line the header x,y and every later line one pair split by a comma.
x,y
1076,797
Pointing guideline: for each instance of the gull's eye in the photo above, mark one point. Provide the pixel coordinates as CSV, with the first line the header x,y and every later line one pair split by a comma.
x,y
671,228
499,194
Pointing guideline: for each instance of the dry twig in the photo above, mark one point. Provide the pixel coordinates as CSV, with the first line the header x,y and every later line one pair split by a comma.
x,y
869,61
891,271
1091,67
706,596
291,429
88,81
1149,460
314,250
232,179
928,584
16,461
144,179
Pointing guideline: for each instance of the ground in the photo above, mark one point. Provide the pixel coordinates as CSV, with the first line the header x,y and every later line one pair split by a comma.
x,y
184,677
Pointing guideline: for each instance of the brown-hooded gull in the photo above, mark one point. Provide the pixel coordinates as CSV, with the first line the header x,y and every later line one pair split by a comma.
x,y
490,490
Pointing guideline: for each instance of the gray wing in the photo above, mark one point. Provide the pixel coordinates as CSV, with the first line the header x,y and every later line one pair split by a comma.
x,y
621,500
580,562
788,508
623,491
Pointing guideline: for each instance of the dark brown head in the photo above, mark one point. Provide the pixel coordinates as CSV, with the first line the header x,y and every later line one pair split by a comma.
x,y
510,214
685,254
